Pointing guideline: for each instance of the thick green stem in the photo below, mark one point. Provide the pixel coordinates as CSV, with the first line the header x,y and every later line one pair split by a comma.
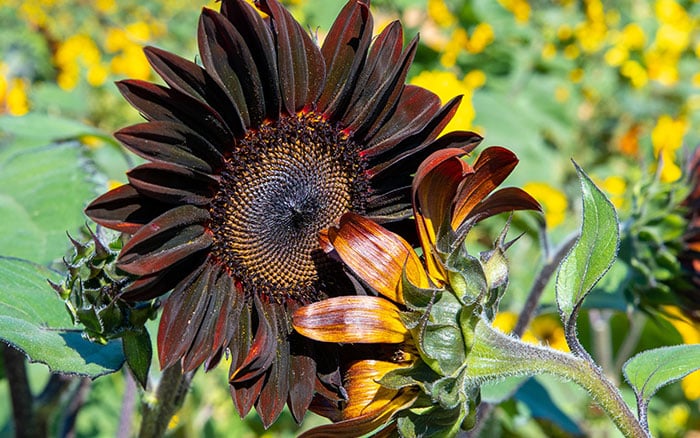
x,y
159,409
495,356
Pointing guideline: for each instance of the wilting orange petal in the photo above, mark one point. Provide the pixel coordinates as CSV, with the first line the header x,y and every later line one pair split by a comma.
x,y
358,426
376,255
508,199
351,319
365,395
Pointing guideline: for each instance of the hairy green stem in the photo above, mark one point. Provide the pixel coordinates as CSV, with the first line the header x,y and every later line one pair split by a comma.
x,y
159,409
496,356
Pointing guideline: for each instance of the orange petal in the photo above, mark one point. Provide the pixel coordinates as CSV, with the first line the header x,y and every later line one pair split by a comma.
x,y
365,395
351,319
434,188
491,168
366,423
376,255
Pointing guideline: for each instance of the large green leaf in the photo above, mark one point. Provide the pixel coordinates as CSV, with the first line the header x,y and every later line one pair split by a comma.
x,y
651,369
34,319
43,191
592,254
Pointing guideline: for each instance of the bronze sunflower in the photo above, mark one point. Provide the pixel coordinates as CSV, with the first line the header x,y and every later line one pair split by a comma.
x,y
251,154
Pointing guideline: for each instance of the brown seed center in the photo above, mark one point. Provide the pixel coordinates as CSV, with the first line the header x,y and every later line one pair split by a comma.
x,y
283,183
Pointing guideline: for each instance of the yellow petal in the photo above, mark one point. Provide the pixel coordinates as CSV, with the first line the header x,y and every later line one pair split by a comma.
x,y
352,319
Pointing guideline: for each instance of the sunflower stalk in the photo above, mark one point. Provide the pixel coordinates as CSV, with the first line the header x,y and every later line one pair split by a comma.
x,y
161,405
496,356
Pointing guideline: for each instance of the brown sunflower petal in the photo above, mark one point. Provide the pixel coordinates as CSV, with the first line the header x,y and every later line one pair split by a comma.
x,y
345,50
255,33
383,57
404,155
182,316
302,377
385,95
376,255
228,59
173,184
193,80
416,107
491,168
148,287
301,66
124,209
262,350
351,319
171,143
434,187
160,103
218,314
167,239
245,394
273,395
503,200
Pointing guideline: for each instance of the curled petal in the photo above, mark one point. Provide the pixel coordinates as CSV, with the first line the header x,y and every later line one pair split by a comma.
x,y
491,168
351,319
508,199
365,395
378,256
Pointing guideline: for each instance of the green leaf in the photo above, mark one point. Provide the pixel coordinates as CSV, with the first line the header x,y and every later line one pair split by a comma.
x,y
33,319
43,191
138,352
592,254
651,369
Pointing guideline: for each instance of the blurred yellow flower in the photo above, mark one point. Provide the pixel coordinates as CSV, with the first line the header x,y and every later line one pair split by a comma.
x,y
549,51
439,12
634,71
633,37
131,62
554,202
690,332
454,47
446,85
615,188
571,51
76,52
16,101
481,37
544,329
666,139
519,8
106,6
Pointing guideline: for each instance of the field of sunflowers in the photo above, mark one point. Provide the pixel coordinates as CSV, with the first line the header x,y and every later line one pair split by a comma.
x,y
612,86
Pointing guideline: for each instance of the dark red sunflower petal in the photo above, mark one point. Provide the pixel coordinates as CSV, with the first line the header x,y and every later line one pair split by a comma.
x,y
301,66
228,60
243,394
182,316
302,375
220,311
381,97
416,107
172,184
166,240
193,80
171,142
273,395
345,50
151,286
503,200
262,350
124,209
160,103
491,168
405,154
247,21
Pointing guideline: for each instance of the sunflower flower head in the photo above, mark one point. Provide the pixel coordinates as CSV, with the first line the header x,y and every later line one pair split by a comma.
x,y
420,316
249,155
